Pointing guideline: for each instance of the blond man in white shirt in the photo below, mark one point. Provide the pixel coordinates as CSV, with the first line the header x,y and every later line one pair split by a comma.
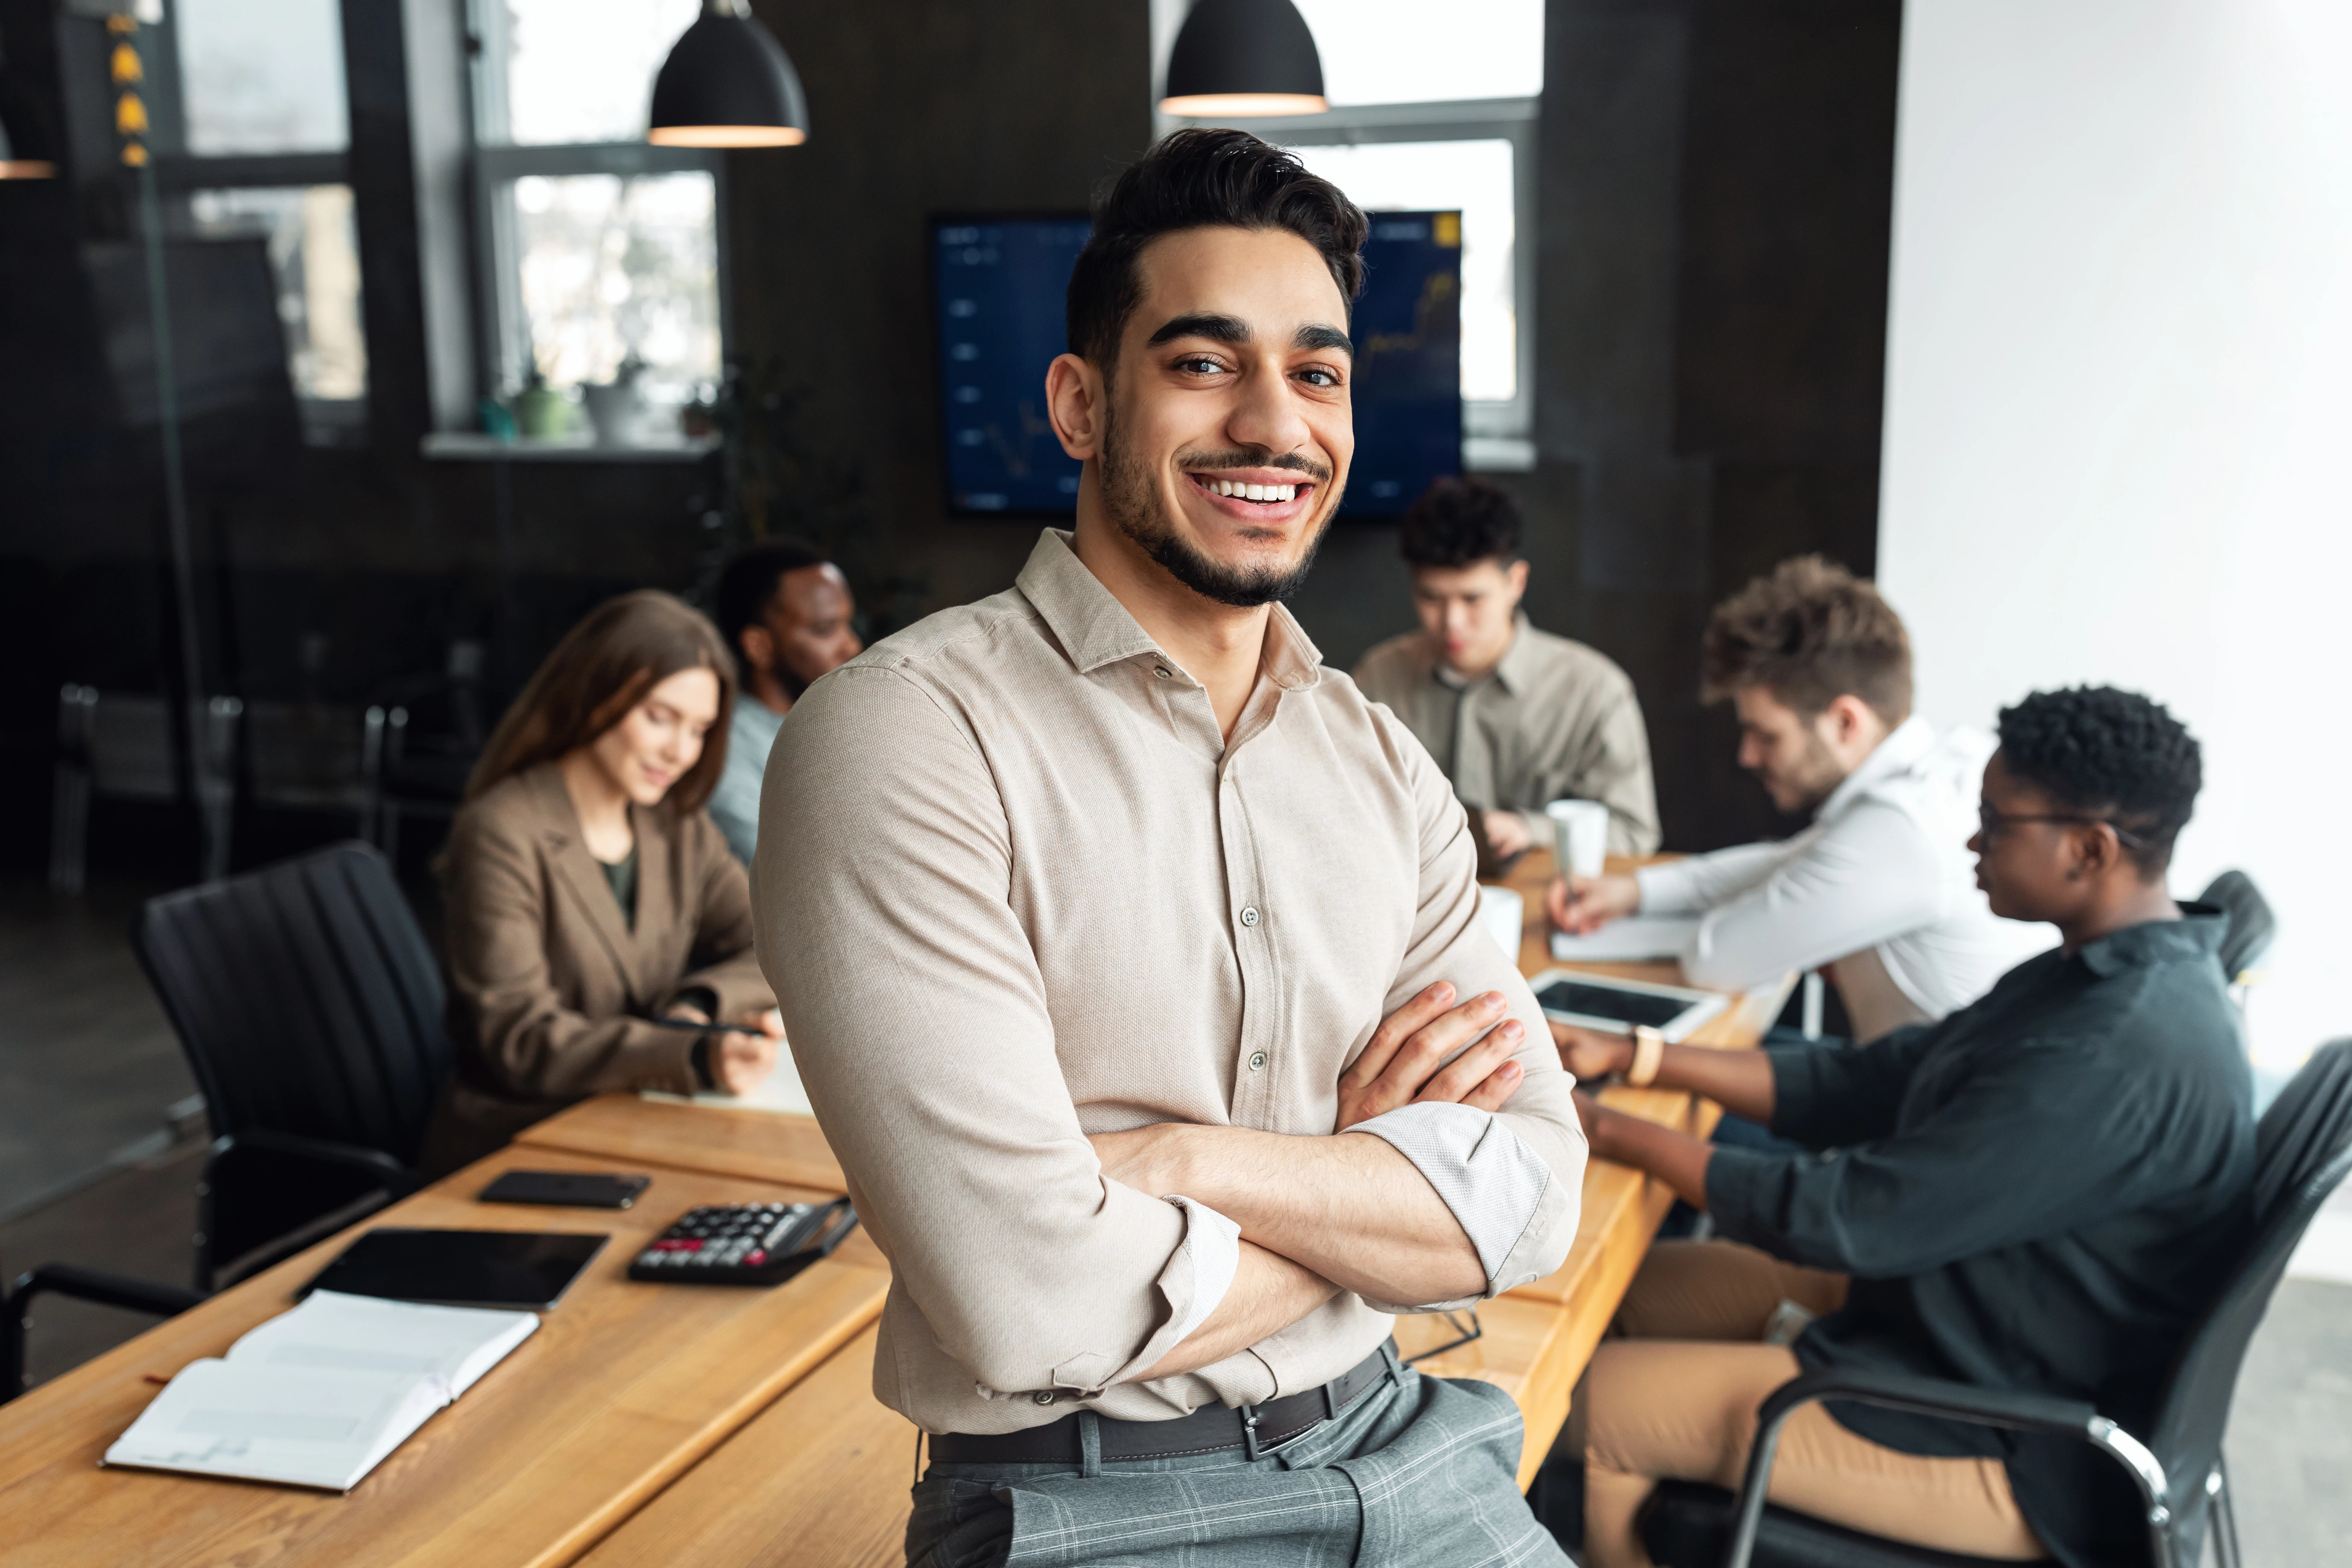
x,y
1879,889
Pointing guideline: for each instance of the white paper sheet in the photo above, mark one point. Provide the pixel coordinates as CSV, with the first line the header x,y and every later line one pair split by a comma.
x,y
1629,941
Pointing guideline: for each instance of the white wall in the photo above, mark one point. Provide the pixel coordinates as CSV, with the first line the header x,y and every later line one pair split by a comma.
x,y
2118,443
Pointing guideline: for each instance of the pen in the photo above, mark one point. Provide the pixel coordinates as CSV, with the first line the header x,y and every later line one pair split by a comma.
x,y
691,1027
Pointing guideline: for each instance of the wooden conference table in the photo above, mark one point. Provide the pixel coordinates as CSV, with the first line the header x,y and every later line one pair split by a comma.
x,y
648,1425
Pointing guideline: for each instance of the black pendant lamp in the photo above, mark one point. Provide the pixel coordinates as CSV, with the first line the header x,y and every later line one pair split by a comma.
x,y
1241,58
727,83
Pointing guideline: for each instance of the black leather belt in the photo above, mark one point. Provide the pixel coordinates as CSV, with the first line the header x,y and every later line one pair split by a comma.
x,y
1257,1427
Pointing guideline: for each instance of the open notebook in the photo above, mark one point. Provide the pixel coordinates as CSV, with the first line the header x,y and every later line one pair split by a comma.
x,y
318,1396
781,1091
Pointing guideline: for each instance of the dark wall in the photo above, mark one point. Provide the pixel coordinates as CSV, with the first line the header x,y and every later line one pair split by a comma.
x,y
1718,183
1715,185
919,105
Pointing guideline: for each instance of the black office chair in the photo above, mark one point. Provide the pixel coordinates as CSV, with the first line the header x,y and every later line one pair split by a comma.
x,y
2252,925
2303,1152
309,1005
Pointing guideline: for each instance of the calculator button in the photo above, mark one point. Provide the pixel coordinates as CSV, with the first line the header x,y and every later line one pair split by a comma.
x,y
758,1256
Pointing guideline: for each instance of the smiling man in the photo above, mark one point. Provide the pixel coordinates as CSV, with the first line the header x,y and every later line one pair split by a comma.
x,y
1132,963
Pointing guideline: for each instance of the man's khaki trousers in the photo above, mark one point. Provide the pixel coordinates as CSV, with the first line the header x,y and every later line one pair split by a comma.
x,y
1676,1397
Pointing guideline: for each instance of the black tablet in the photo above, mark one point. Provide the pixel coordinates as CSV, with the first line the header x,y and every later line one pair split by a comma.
x,y
461,1267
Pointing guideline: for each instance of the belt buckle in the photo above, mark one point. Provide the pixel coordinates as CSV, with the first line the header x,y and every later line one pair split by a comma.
x,y
1253,1450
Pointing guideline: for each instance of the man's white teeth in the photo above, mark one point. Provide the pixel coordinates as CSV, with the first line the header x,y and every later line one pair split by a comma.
x,y
1252,493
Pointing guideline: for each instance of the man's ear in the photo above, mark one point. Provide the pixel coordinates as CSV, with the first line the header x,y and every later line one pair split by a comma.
x,y
2092,850
1848,717
759,647
1074,402
1515,575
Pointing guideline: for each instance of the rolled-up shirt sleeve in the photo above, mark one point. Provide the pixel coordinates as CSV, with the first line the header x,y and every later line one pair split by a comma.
x,y
1513,1179
919,1021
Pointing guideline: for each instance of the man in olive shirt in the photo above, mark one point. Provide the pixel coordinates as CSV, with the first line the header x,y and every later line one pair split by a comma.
x,y
2036,1194
1133,966
1518,718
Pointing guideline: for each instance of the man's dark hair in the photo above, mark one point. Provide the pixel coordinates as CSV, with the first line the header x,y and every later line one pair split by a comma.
x,y
1457,522
1810,632
749,582
2111,754
1200,178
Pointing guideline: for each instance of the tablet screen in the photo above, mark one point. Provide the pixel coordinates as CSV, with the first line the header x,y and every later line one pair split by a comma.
x,y
461,1267
1608,1002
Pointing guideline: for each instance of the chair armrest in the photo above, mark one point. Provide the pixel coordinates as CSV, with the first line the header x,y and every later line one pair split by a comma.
x,y
387,1172
1952,1402
1929,1396
84,1284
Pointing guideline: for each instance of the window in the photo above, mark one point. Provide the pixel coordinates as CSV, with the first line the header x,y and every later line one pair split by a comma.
x,y
314,253
262,75
601,251
250,125
1426,117
1396,51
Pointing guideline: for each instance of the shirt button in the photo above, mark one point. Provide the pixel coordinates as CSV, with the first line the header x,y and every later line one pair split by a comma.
x,y
1249,914
1044,1396
1257,1061
1160,670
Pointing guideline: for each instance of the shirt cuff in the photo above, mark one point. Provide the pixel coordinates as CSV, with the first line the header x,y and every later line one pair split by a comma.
x,y
1195,1279
1212,1245
1493,1182
1667,890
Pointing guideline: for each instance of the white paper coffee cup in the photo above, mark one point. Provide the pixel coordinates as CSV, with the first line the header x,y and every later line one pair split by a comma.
x,y
1580,830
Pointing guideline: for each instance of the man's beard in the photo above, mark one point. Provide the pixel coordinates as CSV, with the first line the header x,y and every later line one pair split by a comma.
x,y
1818,778
1131,501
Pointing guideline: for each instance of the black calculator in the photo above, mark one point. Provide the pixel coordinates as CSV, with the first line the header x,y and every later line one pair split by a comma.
x,y
744,1243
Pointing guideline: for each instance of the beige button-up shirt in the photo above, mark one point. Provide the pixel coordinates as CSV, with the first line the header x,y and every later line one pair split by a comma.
x,y
1554,720
1016,888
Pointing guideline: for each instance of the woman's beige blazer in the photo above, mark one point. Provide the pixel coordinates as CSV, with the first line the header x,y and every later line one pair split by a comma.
x,y
549,986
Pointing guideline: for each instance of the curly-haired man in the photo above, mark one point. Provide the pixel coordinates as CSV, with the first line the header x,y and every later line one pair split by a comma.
x,y
2034,1194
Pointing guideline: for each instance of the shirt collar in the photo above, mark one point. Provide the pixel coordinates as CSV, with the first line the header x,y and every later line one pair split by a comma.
x,y
1904,746
1514,671
2197,935
1095,629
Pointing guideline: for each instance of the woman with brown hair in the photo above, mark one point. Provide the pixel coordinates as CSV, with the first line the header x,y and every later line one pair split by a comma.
x,y
587,893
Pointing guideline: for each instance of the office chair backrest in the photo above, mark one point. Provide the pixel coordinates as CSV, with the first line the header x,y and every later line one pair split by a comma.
x,y
2302,1152
306,997
2252,924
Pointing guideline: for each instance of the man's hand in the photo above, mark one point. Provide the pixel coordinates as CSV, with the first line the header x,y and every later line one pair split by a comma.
x,y
1600,1125
1405,1059
1587,1054
741,1063
1507,833
1581,904
1677,1159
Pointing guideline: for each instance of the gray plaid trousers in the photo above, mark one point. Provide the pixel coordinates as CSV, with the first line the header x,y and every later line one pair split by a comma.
x,y
1420,1471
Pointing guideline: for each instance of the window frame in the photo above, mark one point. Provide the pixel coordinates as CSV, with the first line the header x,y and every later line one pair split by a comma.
x,y
329,423
1496,434
495,161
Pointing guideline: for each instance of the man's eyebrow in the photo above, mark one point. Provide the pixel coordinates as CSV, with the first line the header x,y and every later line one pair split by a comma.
x,y
1324,338
1216,329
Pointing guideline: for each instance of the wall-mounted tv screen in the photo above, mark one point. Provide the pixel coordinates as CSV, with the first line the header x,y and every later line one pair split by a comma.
x,y
998,287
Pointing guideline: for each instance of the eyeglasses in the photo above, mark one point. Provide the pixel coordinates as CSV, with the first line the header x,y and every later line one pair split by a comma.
x,y
1989,821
